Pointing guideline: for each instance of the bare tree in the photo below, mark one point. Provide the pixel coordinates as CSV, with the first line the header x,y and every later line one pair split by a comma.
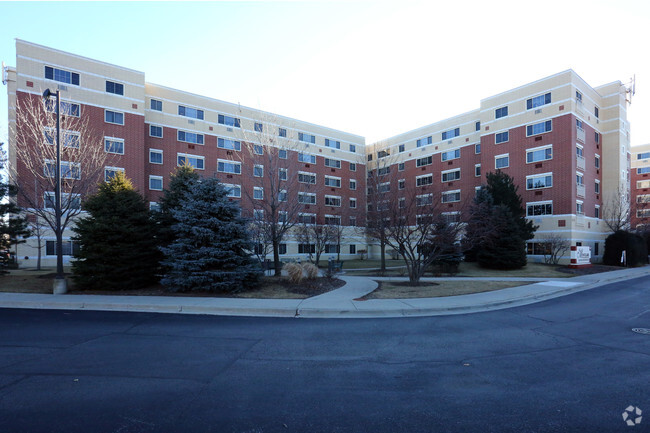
x,y
316,235
278,178
616,210
34,144
420,229
39,229
554,247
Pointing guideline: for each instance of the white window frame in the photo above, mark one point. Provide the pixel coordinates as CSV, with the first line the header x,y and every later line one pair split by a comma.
x,y
258,193
449,193
329,160
110,168
188,156
306,173
539,176
538,203
333,197
233,190
302,195
502,156
258,167
332,178
116,140
230,162
532,151
455,154
446,172
422,176
152,177
162,130
157,151
116,112
477,173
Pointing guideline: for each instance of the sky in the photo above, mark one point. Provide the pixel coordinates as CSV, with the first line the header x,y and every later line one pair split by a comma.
x,y
376,69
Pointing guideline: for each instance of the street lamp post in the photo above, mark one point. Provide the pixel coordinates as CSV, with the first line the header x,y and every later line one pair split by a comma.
x,y
60,285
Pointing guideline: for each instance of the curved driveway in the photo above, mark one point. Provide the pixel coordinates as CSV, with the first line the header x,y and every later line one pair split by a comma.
x,y
567,364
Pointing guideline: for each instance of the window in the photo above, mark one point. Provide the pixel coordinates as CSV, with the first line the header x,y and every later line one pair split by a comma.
x,y
156,105
155,156
597,186
477,170
304,177
258,149
400,166
424,141
67,108
383,187
501,137
332,143
233,191
282,154
69,248
259,127
155,131
450,154
401,148
424,199
502,161
226,166
190,112
643,198
334,182
424,180
501,112
401,203
539,208
579,124
383,154
478,126
116,88
282,174
580,210
229,121
539,181
643,213
258,193
114,145
306,248
580,152
451,196
333,220
596,137
113,117
596,112
307,138
69,170
539,154
353,249
282,132
155,183
353,184
282,195
383,171
111,172
539,128
353,148
370,157
69,138
226,143
578,96
190,137
643,170
331,200
353,166
427,160
192,160
448,135
538,248
307,218
258,214
258,170
644,155
448,176
477,148
283,217
310,159
538,101
335,163
61,75
640,184
332,248
306,198
596,215
67,201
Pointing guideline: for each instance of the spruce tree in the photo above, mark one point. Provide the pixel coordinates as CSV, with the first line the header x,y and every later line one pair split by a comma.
x,y
212,246
117,245
13,225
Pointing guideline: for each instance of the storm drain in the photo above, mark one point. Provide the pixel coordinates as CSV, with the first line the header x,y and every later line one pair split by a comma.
x,y
644,331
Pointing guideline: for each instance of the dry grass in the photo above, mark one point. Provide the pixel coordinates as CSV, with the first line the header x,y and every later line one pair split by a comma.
x,y
402,290
31,281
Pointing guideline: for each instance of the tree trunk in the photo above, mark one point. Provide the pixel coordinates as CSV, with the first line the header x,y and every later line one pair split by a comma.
x,y
382,253
277,266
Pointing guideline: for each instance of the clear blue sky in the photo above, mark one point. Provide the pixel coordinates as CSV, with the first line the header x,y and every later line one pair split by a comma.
x,y
371,68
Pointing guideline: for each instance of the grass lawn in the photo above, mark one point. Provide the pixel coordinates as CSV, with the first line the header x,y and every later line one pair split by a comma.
x,y
401,290
32,281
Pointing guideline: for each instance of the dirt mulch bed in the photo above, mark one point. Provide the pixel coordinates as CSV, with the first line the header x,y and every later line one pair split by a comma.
x,y
593,269
426,289
269,287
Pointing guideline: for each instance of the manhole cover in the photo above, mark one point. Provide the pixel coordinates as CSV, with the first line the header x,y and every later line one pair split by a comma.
x,y
645,331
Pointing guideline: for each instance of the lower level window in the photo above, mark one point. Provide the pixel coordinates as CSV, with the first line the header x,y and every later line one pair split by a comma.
x,y
69,248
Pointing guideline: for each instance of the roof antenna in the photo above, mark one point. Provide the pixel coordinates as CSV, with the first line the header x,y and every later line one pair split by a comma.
x,y
630,89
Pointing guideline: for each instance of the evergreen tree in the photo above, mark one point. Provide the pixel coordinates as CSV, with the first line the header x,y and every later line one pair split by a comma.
x,y
117,244
497,231
13,225
212,245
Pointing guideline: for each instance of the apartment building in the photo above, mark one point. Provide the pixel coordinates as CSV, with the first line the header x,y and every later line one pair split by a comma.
x,y
640,187
565,143
148,130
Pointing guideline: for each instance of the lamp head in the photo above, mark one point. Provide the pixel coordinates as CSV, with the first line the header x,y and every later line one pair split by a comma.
x,y
47,93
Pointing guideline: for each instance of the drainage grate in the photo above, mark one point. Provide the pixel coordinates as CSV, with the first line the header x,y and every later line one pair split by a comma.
x,y
644,331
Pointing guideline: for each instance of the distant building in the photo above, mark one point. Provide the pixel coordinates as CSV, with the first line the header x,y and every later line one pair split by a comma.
x,y
640,187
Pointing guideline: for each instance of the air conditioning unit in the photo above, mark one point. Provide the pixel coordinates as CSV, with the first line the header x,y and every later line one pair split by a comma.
x,y
538,111
191,122
229,129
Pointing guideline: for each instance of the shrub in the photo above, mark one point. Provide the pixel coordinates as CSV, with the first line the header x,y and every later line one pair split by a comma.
x,y
635,248
294,271
310,270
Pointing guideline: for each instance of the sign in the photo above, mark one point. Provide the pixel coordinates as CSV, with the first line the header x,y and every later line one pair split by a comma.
x,y
580,256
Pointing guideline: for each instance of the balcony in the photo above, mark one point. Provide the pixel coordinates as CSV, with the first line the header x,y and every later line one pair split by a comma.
x,y
580,163
579,107
580,134
580,219
580,190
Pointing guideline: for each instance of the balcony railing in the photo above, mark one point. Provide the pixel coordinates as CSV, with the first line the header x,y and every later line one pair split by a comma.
x,y
580,163
580,190
580,134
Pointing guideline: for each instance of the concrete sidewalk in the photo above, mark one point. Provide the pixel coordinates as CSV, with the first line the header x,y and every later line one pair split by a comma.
x,y
341,302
